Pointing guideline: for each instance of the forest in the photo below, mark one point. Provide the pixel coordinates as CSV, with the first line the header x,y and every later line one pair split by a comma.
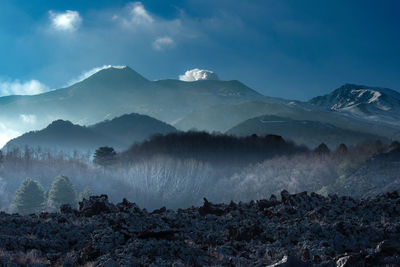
x,y
177,170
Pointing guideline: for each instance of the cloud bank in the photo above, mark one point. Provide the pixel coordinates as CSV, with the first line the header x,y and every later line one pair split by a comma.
x,y
6,134
32,87
68,21
28,118
197,75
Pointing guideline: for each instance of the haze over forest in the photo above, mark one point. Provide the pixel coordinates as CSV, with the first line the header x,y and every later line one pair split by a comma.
x,y
287,113
121,119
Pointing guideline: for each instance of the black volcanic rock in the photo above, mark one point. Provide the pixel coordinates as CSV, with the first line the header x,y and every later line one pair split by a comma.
x,y
323,231
96,205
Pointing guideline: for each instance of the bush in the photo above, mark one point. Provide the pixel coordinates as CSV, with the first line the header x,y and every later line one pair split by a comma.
x,y
85,194
61,192
29,198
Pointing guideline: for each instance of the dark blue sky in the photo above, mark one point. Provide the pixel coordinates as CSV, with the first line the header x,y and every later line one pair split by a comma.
x,y
291,49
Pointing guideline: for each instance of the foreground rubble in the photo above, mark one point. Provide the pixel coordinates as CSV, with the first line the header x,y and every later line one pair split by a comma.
x,y
298,230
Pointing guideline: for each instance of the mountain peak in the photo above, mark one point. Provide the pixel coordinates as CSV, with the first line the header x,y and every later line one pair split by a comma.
x,y
349,95
114,75
119,69
60,124
363,102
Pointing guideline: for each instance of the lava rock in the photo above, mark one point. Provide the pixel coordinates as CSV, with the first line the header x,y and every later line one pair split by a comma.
x,y
96,205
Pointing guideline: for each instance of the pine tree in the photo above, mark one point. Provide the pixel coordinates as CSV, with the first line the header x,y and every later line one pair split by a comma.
x,y
61,192
105,156
322,149
341,149
29,198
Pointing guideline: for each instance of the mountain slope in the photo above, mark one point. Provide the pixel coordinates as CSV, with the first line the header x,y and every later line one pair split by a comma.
x,y
309,133
113,92
211,105
131,128
224,117
60,135
119,133
376,104
378,175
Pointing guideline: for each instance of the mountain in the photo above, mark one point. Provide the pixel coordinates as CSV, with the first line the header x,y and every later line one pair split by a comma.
x,y
381,105
119,133
131,128
59,135
306,132
211,105
113,92
224,117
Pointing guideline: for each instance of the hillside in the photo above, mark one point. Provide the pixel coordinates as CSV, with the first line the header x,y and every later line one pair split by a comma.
x,y
120,133
224,117
377,175
306,132
129,129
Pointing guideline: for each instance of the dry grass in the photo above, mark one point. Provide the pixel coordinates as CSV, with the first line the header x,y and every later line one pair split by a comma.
x,y
23,259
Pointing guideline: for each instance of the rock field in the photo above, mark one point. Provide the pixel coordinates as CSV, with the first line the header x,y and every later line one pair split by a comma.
x,y
295,230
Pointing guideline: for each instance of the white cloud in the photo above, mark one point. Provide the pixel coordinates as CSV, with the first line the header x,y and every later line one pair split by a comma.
x,y
68,21
28,118
162,43
144,27
136,15
87,74
139,13
16,87
6,134
198,74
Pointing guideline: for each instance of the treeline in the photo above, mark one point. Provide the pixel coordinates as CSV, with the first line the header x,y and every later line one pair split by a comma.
x,y
178,170
212,148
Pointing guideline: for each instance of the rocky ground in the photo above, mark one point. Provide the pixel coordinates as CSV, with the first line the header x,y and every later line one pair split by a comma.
x,y
297,230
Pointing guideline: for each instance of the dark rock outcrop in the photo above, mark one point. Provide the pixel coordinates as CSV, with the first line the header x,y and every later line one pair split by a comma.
x,y
301,230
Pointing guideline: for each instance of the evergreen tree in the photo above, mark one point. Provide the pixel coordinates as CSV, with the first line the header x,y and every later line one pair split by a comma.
x,y
29,198
61,192
341,149
85,194
322,149
105,156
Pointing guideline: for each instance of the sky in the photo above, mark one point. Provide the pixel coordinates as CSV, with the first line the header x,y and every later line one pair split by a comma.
x,y
282,48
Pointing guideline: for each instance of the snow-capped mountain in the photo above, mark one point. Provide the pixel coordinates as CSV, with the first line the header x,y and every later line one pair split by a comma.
x,y
363,102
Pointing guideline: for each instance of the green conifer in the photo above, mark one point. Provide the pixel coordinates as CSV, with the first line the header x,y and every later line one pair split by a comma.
x,y
61,192
29,198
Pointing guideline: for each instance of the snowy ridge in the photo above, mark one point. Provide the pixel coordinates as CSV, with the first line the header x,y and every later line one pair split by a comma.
x,y
363,102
